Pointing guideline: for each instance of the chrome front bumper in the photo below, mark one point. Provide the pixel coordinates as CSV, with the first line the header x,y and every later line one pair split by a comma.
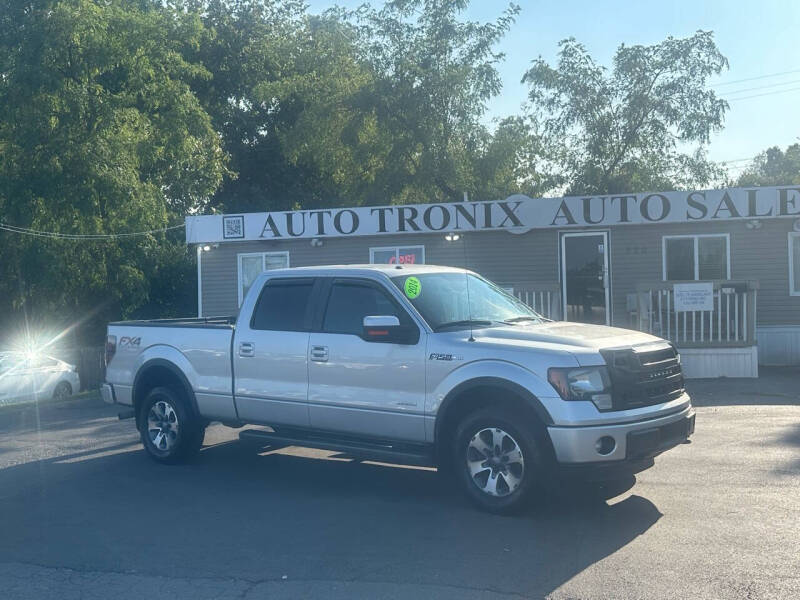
x,y
632,441
107,392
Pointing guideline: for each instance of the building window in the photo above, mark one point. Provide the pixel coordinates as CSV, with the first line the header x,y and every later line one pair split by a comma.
x,y
794,263
251,265
696,257
403,255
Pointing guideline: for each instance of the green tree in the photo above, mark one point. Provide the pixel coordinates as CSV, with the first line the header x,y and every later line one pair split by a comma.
x,y
284,95
327,130
773,167
630,128
349,108
100,132
510,161
433,77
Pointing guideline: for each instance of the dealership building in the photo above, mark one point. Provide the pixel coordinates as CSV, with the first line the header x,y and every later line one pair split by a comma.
x,y
715,271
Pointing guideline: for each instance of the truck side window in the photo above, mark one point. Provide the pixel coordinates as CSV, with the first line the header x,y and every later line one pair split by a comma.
x,y
349,303
283,306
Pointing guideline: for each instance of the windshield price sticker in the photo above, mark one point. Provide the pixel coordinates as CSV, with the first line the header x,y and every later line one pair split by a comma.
x,y
412,287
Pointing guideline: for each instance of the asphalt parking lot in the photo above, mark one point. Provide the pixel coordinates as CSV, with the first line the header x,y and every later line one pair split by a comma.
x,y
84,514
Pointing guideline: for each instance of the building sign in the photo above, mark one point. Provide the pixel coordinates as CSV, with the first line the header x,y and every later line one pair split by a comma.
x,y
517,213
690,297
397,255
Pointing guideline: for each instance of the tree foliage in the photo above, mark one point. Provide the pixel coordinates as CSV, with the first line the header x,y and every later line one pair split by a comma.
x,y
100,132
278,96
773,167
433,77
372,106
126,115
629,129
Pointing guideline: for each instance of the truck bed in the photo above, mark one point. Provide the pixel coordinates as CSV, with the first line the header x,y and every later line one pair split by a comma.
x,y
199,349
193,322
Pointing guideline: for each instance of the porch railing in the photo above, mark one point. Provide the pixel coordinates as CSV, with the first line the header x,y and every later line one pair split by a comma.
x,y
544,299
730,322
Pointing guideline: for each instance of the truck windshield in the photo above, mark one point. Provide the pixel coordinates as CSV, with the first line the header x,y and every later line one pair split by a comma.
x,y
441,299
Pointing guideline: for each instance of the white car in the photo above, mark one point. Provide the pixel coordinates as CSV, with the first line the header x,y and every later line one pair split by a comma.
x,y
25,377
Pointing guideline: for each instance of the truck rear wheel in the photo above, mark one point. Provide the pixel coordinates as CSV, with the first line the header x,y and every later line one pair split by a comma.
x,y
497,460
170,432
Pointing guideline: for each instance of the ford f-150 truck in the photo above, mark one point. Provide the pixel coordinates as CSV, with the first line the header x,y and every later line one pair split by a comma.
x,y
408,364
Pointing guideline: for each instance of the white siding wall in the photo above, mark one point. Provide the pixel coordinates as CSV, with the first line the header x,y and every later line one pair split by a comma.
x,y
779,345
720,362
756,254
507,259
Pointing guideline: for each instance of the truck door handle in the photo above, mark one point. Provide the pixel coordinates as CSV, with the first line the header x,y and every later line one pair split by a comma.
x,y
247,349
319,353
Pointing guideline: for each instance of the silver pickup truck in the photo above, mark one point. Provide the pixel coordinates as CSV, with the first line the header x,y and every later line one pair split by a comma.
x,y
408,364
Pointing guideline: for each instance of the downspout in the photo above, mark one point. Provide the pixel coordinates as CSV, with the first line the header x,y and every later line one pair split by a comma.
x,y
199,282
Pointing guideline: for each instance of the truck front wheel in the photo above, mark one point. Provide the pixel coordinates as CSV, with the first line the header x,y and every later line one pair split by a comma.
x,y
497,460
169,431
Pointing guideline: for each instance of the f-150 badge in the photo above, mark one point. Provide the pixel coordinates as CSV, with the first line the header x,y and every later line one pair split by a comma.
x,y
437,356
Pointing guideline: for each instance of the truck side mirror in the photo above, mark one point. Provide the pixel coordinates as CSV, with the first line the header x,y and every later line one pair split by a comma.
x,y
387,329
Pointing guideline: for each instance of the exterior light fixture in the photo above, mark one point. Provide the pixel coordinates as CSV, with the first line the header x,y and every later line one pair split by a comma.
x,y
452,237
206,248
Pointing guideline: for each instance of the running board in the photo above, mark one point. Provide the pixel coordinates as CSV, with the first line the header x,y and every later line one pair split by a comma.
x,y
387,452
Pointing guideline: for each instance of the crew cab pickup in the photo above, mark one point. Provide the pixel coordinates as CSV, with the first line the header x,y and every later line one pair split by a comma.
x,y
408,364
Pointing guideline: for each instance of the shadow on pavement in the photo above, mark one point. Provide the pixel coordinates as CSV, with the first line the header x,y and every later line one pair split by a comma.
x,y
791,438
61,416
236,514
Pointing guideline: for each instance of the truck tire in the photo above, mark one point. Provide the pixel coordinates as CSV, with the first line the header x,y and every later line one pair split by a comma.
x,y
497,461
170,432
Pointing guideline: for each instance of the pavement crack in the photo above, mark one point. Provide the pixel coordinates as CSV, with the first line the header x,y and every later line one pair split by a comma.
x,y
78,576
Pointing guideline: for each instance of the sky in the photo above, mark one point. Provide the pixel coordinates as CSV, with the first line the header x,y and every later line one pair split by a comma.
x,y
760,38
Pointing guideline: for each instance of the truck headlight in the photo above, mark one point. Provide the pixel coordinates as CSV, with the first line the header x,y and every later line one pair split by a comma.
x,y
582,383
677,354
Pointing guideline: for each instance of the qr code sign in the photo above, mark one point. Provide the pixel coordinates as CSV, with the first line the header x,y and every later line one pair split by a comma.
x,y
233,227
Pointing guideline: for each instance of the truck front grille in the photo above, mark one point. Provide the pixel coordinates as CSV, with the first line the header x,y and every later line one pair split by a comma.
x,y
643,377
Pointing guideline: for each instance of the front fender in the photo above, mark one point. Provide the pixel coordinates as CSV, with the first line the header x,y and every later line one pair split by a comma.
x,y
488,369
513,377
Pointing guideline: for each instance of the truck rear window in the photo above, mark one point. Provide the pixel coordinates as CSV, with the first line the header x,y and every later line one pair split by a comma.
x,y
282,306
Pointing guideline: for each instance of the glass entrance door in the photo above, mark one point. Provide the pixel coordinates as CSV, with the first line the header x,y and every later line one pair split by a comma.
x,y
584,277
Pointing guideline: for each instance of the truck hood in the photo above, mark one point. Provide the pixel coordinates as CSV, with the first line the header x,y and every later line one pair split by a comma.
x,y
563,333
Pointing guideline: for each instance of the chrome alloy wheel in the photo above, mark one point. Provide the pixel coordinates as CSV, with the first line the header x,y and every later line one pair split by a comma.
x,y
162,426
495,462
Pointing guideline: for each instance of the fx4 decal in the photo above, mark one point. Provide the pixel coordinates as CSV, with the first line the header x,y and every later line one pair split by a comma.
x,y
130,342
